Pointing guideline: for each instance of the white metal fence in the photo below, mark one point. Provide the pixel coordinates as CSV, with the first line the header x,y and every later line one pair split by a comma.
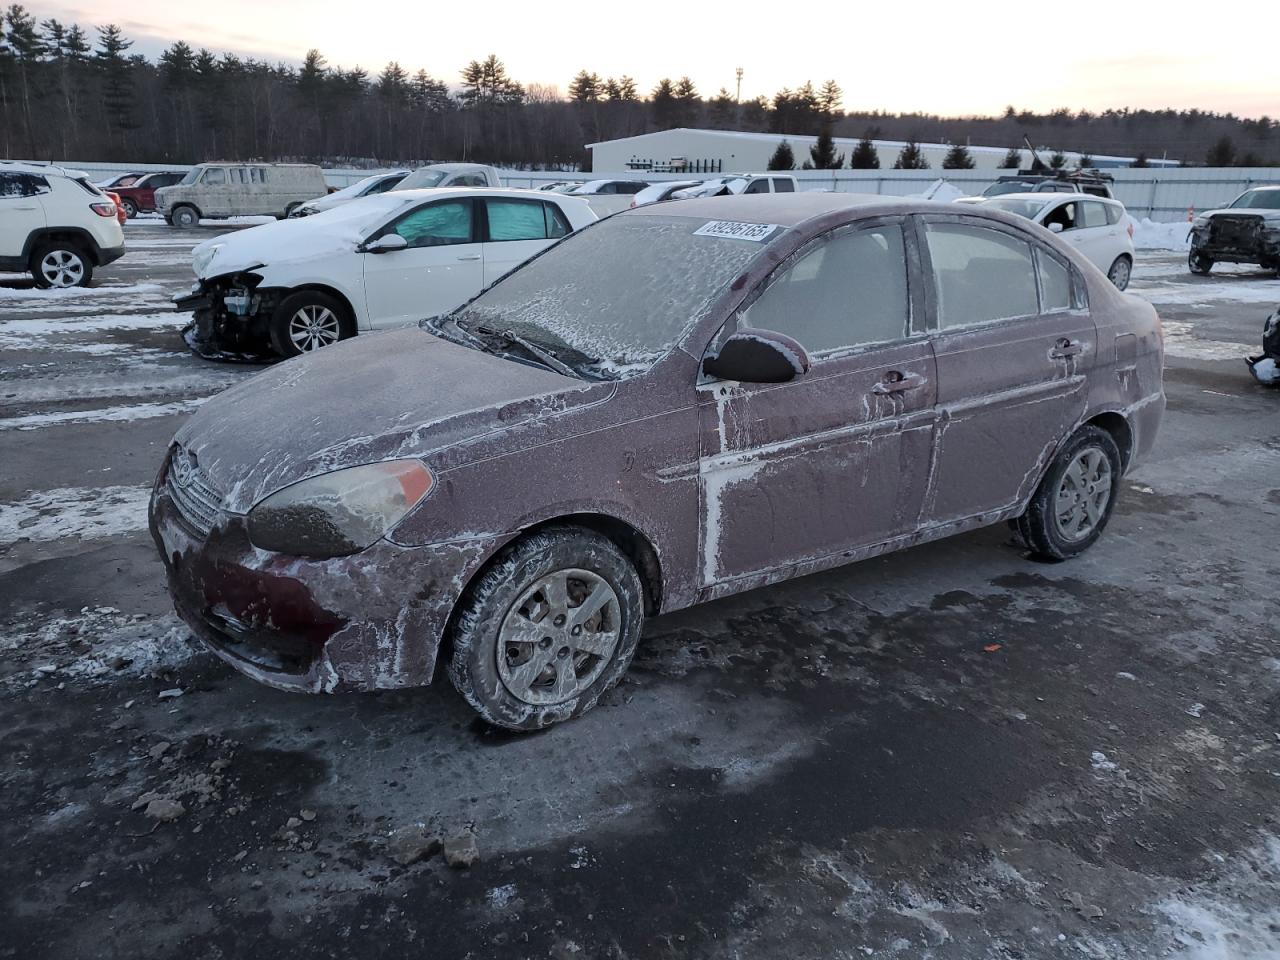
x,y
1161,194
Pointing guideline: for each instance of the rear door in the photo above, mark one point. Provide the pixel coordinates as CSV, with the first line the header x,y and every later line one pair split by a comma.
x,y
516,229
795,473
21,211
441,268
1013,340
1102,239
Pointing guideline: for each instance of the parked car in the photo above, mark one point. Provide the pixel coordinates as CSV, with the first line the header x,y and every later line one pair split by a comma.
x,y
657,192
119,205
440,175
119,180
55,224
1247,230
1087,180
221,190
673,405
608,196
376,262
740,183
140,196
368,187
561,186
1098,228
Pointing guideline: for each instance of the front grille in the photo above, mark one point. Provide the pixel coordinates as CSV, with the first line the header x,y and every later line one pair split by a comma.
x,y
1235,231
197,500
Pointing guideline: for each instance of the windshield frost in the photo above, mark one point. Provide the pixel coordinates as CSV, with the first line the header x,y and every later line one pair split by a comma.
x,y
622,292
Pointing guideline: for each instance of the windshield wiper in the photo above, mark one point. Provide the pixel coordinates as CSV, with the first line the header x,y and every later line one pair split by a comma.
x,y
540,354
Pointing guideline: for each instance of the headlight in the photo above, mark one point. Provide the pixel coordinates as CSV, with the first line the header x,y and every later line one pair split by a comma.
x,y
1199,223
339,513
200,260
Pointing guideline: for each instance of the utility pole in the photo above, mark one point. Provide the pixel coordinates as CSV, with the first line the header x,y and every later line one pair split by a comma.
x,y
737,97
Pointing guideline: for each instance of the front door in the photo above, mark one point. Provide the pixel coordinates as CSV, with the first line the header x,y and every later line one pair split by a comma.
x,y
441,268
1014,340
795,473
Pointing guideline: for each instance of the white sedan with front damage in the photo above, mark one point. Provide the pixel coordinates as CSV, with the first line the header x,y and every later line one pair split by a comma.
x,y
383,261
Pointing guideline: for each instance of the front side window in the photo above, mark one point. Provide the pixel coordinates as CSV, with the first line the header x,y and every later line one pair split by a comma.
x,y
980,274
214,177
1065,215
1055,283
846,290
437,224
757,186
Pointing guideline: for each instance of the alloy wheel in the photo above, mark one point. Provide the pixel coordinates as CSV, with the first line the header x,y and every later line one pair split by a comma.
x,y
1119,274
558,637
62,268
313,327
1083,494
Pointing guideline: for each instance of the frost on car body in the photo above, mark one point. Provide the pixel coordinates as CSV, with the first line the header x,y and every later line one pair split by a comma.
x,y
590,391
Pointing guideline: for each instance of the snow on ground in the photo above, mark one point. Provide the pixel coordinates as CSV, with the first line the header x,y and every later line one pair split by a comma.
x,y
85,513
60,326
137,411
1180,341
1149,234
1206,292
145,378
75,293
150,221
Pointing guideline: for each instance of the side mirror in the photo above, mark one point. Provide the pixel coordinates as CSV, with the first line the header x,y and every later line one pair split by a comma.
x,y
387,243
758,356
1055,227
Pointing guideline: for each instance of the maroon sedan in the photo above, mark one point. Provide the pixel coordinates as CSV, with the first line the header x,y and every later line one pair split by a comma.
x,y
140,196
679,403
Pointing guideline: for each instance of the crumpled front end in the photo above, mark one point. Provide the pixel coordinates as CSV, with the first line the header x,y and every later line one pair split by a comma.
x,y
1238,238
229,317
372,620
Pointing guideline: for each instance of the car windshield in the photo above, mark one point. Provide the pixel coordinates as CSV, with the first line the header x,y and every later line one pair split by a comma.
x,y
421,179
1257,200
1019,206
192,176
996,189
620,294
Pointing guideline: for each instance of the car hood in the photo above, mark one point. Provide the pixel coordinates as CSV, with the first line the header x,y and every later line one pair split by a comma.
x,y
403,393
1271,216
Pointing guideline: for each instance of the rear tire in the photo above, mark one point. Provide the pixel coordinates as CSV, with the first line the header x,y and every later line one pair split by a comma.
x,y
130,208
547,629
184,218
61,264
308,321
1073,503
1121,271
1199,264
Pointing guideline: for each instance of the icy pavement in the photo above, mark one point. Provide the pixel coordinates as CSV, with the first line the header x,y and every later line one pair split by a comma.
x,y
950,753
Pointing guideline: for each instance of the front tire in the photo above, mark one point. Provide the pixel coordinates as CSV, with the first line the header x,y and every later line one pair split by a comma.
x,y
184,218
60,265
1073,503
547,629
1199,264
308,321
1121,271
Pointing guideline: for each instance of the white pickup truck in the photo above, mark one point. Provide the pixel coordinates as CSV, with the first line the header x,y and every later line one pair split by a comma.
x,y
741,183
450,175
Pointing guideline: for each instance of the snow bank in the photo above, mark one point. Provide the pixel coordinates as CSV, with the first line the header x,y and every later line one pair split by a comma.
x,y
1150,235
941,190
117,414
82,513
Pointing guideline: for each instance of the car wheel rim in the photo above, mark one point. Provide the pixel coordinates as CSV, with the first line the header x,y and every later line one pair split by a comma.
x,y
1083,494
1120,273
313,327
558,637
62,268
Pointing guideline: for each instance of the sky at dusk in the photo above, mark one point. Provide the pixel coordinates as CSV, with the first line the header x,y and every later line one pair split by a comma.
x,y
933,57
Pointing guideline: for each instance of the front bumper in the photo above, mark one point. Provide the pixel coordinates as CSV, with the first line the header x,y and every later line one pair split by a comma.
x,y
371,621
1260,245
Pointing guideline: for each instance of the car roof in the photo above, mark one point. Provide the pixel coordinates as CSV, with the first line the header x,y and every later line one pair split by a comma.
x,y
1051,197
40,169
1265,186
453,167
785,209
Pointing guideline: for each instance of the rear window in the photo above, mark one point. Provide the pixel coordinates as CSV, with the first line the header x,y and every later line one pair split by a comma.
x,y
88,187
980,274
783,186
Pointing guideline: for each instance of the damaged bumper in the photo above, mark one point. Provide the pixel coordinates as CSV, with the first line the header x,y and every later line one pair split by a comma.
x,y
374,620
229,317
1238,239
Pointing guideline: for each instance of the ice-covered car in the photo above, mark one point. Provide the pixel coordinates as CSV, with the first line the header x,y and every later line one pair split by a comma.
x,y
657,192
749,183
368,187
441,175
1247,230
675,404
376,262
1098,228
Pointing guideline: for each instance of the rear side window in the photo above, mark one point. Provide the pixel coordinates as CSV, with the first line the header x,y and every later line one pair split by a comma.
x,y
847,290
257,175
525,220
783,186
436,225
22,185
1055,283
980,274
89,188
1113,213
557,224
1094,214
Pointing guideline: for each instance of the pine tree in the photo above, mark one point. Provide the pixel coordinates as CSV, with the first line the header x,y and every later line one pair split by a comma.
x,y
1221,154
117,80
724,111
865,156
585,88
830,99
663,102
1140,160
27,48
958,158
1012,159
1058,160
688,103
783,158
1086,160
911,158
823,152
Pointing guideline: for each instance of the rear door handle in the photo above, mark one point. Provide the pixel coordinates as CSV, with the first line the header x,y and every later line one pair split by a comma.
x,y
473,257
895,381
1066,347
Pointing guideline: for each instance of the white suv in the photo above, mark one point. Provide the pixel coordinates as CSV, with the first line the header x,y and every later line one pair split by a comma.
x,y
55,224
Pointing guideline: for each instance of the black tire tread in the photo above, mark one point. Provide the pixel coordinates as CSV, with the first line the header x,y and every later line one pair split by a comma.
x,y
1036,526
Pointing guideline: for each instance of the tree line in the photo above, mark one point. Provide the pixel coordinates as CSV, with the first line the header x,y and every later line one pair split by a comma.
x,y
67,93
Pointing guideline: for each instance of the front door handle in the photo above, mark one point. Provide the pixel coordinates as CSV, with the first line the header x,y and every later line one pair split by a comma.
x,y
473,257
1066,347
895,381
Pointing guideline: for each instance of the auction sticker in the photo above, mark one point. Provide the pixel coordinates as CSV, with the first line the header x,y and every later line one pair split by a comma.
x,y
732,230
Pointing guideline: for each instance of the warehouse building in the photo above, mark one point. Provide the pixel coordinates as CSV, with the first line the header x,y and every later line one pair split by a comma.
x,y
727,151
